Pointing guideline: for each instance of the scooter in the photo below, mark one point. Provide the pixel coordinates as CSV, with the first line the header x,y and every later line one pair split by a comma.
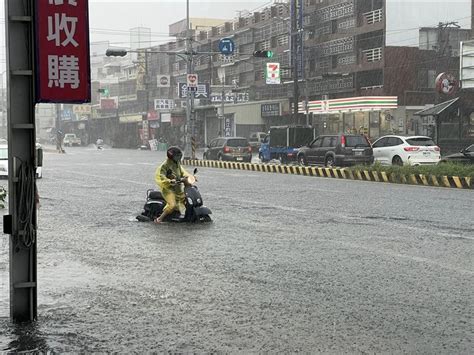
x,y
195,210
100,144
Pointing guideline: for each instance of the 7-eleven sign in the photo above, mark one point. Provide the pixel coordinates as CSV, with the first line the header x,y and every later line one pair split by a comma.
x,y
273,73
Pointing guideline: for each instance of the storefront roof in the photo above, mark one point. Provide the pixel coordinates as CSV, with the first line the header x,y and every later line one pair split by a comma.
x,y
437,109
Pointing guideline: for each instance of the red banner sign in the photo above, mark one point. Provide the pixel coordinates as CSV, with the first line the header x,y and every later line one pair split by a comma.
x,y
62,51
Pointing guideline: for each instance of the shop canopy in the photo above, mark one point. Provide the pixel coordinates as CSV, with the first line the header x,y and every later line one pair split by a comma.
x,y
438,109
350,104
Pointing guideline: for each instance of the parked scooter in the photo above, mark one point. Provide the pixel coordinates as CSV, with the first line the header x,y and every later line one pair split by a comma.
x,y
195,210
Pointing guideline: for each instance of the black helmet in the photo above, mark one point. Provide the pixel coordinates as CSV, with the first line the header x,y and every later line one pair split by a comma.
x,y
175,154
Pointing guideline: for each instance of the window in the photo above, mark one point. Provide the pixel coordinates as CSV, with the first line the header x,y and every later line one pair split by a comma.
x,y
329,141
382,142
356,141
316,143
421,142
394,141
237,143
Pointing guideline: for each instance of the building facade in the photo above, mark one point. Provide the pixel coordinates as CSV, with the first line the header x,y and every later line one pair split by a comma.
x,y
346,56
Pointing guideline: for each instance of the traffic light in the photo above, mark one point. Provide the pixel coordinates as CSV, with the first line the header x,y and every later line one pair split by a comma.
x,y
263,54
116,52
105,91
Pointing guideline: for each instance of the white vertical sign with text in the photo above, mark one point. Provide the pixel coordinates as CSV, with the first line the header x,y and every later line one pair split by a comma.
x,y
273,73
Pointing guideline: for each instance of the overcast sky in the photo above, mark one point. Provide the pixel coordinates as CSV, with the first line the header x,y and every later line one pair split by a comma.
x,y
111,19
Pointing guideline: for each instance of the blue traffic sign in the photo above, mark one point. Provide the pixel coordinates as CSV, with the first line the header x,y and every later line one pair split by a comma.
x,y
226,46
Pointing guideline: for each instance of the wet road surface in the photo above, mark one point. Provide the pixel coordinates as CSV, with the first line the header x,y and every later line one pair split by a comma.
x,y
290,263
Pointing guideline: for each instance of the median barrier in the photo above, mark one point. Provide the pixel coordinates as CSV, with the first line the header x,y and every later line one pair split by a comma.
x,y
341,173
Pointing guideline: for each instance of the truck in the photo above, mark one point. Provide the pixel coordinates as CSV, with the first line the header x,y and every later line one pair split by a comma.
x,y
282,142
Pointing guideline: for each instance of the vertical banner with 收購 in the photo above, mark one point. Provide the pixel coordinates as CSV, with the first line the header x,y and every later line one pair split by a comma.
x,y
62,51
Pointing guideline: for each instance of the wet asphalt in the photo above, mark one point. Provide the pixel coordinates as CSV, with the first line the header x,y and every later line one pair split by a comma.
x,y
290,264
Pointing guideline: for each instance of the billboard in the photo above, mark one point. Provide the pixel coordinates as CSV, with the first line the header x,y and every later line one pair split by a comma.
x,y
62,51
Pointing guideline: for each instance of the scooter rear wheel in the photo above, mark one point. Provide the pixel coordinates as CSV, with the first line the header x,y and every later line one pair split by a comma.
x,y
206,219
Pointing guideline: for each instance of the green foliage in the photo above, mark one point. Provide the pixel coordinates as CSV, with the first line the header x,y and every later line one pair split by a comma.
x,y
440,170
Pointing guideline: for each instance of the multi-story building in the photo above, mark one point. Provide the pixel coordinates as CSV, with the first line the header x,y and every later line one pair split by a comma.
x,y
361,71
354,51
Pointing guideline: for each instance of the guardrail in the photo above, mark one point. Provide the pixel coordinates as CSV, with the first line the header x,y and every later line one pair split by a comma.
x,y
341,173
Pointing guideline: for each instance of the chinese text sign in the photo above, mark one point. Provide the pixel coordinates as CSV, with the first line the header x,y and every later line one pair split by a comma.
x,y
62,51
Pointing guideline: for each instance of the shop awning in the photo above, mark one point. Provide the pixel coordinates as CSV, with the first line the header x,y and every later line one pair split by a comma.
x,y
437,109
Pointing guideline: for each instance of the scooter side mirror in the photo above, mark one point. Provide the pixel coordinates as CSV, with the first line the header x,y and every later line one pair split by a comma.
x,y
195,171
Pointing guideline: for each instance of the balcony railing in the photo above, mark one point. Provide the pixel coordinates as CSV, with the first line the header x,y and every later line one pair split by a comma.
x,y
373,16
373,55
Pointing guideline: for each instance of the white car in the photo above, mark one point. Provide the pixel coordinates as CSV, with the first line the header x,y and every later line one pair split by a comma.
x,y
4,162
400,150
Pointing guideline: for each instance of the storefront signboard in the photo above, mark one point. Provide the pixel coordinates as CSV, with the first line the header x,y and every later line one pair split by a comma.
x,y
270,110
352,104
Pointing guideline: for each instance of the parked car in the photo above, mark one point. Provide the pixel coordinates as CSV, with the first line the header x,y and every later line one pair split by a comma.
x,y
337,150
256,140
400,150
71,139
4,161
465,156
229,148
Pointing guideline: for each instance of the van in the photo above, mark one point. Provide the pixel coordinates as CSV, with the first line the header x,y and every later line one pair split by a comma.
x,y
256,140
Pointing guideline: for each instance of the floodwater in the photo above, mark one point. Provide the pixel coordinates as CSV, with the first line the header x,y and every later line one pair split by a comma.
x,y
290,264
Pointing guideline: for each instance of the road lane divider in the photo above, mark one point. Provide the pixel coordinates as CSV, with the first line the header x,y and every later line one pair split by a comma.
x,y
340,173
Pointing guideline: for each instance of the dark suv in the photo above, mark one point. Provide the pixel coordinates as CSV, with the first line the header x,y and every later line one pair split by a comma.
x,y
229,148
337,150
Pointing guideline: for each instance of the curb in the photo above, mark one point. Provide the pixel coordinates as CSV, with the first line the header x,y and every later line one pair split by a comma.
x,y
341,173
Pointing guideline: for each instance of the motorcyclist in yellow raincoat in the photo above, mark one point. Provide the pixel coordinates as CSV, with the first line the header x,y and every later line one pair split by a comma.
x,y
166,176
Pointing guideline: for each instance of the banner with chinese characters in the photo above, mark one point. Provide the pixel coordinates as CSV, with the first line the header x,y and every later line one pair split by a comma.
x,y
201,92
62,51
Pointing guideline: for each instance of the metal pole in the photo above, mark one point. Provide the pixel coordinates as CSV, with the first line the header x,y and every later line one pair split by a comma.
x,y
21,223
189,101
58,128
147,88
222,120
294,55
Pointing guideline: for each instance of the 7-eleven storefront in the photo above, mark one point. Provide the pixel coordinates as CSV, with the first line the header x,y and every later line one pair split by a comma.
x,y
370,115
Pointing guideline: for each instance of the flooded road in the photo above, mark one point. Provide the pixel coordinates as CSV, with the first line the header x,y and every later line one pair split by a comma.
x,y
290,263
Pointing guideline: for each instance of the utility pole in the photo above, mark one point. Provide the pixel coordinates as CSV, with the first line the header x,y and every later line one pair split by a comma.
x,y
147,88
21,223
189,128
294,56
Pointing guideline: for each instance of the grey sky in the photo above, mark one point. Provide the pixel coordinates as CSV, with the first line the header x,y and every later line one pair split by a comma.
x,y
157,15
